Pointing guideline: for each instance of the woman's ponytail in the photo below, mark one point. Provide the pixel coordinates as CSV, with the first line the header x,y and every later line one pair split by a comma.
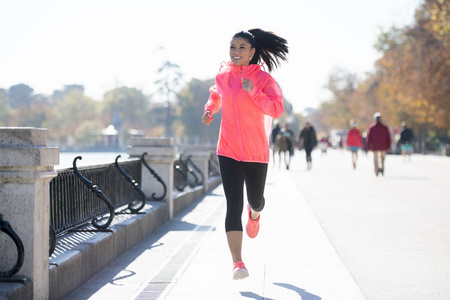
x,y
269,47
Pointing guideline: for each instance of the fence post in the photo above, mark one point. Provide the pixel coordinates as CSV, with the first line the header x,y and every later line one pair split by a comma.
x,y
26,169
161,155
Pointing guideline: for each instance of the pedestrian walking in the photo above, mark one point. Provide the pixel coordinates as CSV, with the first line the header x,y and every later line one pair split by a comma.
x,y
364,140
275,132
323,144
354,141
309,140
406,139
289,134
245,94
378,141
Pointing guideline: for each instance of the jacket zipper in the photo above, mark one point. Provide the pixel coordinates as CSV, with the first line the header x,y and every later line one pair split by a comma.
x,y
236,90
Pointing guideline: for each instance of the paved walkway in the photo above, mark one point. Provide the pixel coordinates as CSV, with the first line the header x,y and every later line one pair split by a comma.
x,y
392,232
329,233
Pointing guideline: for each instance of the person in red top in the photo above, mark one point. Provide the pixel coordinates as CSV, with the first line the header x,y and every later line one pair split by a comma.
x,y
248,98
354,141
379,141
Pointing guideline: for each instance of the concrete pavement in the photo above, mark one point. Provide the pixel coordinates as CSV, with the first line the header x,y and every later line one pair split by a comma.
x,y
392,232
329,233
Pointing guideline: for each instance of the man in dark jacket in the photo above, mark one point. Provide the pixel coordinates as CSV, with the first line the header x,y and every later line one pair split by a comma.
x,y
309,140
379,141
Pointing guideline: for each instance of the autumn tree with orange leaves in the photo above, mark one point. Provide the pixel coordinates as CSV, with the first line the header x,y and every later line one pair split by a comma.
x,y
411,81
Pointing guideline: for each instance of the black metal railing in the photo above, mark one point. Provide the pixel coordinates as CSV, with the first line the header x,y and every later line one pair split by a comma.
x,y
213,166
75,202
180,176
97,222
139,203
159,179
198,174
52,240
186,173
79,196
6,228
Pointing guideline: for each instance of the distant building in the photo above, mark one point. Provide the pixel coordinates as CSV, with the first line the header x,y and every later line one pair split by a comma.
x,y
110,137
136,133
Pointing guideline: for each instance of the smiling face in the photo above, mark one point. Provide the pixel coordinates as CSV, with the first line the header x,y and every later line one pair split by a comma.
x,y
241,51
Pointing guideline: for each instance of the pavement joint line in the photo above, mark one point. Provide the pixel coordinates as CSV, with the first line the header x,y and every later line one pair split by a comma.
x,y
174,252
192,255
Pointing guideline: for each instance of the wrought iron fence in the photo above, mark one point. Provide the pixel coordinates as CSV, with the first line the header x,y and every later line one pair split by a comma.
x,y
156,176
73,203
186,173
213,166
79,196
6,228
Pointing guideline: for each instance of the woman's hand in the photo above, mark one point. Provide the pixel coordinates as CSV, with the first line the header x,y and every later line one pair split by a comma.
x,y
247,85
206,119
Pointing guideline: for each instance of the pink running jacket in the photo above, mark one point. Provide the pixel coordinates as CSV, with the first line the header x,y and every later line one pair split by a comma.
x,y
242,131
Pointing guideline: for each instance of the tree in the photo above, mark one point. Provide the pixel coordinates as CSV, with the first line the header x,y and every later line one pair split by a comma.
x,y
336,112
73,87
156,119
131,106
36,114
88,134
168,83
364,102
192,100
414,71
439,19
5,109
20,94
69,114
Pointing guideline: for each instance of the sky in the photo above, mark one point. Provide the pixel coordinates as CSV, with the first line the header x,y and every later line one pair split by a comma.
x,y
104,44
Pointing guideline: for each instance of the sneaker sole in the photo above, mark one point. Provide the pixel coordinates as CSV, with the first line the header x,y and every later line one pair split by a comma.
x,y
241,274
248,221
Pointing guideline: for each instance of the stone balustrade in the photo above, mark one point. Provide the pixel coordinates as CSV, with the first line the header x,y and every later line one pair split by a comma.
x,y
161,154
26,169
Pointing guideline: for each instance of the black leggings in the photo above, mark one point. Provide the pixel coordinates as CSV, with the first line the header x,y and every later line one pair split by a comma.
x,y
234,174
308,151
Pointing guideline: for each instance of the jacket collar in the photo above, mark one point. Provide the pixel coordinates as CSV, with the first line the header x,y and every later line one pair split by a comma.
x,y
243,69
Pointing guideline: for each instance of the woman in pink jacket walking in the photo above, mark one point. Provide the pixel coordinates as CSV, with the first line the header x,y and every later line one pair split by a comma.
x,y
247,96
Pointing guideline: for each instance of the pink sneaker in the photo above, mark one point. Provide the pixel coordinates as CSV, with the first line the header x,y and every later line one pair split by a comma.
x,y
239,271
252,225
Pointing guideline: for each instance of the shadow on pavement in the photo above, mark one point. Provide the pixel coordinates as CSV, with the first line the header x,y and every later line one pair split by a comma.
x,y
252,295
117,279
409,178
186,226
302,293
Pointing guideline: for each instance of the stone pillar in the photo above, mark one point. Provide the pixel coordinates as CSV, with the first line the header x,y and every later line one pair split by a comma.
x,y
26,169
200,155
161,155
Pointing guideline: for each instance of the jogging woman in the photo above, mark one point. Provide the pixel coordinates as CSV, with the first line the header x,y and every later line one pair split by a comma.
x,y
246,95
